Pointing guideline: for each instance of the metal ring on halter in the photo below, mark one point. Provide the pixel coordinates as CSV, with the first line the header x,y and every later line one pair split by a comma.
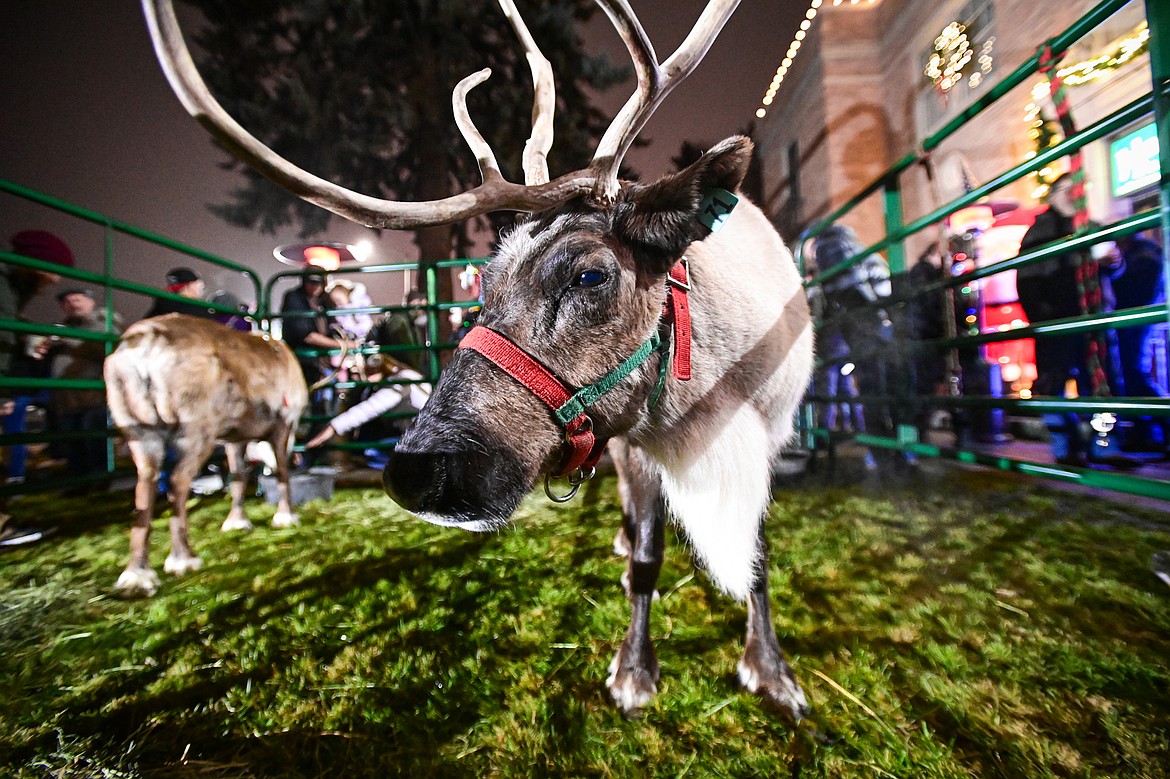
x,y
580,476
576,479
558,498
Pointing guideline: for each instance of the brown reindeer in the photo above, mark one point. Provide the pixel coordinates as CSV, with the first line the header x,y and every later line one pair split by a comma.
x,y
188,383
666,318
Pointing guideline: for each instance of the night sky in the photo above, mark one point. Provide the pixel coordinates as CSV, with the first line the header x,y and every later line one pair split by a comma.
x,y
90,119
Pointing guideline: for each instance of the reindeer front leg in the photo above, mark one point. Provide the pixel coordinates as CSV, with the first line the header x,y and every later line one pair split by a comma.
x,y
139,578
763,669
633,674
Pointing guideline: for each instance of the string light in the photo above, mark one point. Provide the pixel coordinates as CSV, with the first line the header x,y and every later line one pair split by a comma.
x,y
790,55
794,47
1104,65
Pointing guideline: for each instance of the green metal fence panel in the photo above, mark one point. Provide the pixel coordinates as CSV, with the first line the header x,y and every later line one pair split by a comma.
x,y
108,282
433,348
888,184
263,314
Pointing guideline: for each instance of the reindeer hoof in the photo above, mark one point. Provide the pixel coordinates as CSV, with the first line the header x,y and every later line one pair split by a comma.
x,y
137,582
285,519
179,565
631,688
777,686
235,523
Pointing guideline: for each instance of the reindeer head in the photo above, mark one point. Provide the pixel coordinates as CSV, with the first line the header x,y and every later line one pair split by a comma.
x,y
578,288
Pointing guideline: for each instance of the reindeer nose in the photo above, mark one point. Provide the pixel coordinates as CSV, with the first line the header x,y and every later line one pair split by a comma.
x,y
447,484
413,479
470,489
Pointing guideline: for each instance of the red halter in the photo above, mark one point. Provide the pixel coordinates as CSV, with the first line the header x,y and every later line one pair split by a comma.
x,y
569,408
584,450
677,311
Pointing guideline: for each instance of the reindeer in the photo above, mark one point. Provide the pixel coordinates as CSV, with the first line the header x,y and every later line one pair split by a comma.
x,y
666,318
189,382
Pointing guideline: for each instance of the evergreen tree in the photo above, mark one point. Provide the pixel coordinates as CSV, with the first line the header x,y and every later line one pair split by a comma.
x,y
358,92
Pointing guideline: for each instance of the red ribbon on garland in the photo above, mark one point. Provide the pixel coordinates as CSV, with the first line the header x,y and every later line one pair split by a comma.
x,y
1088,280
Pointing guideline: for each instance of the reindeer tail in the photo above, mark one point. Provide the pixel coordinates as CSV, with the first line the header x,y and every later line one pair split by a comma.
x,y
130,389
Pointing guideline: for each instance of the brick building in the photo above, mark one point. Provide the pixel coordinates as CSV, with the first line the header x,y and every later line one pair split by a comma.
x,y
856,98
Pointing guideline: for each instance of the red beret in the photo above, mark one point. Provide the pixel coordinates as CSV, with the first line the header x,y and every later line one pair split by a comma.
x,y
42,245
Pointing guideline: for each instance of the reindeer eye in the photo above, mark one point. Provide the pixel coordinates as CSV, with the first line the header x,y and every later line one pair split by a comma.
x,y
590,278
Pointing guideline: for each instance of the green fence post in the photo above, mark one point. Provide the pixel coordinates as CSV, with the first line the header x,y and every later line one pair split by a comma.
x,y
1158,19
433,320
264,306
892,200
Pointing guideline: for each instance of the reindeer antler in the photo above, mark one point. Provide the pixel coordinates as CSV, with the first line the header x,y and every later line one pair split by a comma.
x,y
655,82
495,193
544,100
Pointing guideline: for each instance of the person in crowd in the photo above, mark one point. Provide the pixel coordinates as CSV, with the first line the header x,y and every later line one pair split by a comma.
x,y
310,332
352,329
79,410
1137,281
238,319
920,315
408,331
1048,290
188,284
398,398
344,294
18,287
852,302
839,387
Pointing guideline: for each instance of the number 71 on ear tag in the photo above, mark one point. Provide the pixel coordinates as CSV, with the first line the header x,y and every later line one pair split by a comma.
x,y
716,206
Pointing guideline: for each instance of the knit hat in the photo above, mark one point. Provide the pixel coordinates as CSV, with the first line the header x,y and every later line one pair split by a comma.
x,y
42,245
223,297
74,291
179,276
834,245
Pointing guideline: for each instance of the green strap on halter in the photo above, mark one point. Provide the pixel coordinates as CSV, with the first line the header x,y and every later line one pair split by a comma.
x,y
663,367
587,396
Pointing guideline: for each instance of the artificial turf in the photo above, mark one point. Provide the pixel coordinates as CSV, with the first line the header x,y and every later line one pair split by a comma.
x,y
944,624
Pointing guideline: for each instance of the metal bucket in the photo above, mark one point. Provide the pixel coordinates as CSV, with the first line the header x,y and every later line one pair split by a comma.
x,y
303,486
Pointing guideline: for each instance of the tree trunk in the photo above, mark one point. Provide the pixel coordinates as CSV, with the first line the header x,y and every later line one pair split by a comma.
x,y
436,243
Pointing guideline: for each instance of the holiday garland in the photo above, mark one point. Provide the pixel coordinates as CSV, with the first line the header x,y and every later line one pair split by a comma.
x,y
1044,132
1088,281
1103,66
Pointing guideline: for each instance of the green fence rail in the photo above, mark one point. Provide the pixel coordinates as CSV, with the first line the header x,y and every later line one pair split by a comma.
x,y
39,390
433,347
903,437
24,392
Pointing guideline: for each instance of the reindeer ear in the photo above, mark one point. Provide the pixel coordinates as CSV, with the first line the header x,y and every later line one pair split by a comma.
x,y
660,220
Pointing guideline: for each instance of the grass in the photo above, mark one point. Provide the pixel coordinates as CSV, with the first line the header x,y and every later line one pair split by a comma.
x,y
952,624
